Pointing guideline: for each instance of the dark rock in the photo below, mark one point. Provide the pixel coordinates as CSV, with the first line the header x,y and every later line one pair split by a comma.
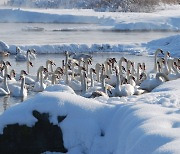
x,y
43,136
61,118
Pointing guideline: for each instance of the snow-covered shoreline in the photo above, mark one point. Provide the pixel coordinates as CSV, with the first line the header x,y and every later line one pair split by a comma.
x,y
170,44
160,20
149,123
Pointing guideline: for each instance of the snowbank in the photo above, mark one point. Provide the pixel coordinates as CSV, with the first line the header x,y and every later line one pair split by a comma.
x,y
168,44
148,123
90,48
161,20
44,16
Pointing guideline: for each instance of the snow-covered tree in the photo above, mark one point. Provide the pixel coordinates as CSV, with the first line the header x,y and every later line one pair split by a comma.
x,y
99,5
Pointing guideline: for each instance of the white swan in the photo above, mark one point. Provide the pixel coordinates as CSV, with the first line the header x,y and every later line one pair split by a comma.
x,y
98,91
6,67
22,55
5,90
49,65
117,90
155,60
97,69
139,66
167,67
39,84
150,84
137,89
176,74
20,91
123,90
29,78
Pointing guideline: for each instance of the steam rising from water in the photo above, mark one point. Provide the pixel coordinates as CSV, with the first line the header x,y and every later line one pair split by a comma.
x,y
2,2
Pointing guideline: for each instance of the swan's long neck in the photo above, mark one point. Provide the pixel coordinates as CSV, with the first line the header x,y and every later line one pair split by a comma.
x,y
28,66
91,76
87,67
173,68
38,73
66,71
155,60
118,82
120,65
103,84
47,65
67,57
158,75
27,55
6,88
138,74
97,72
110,69
106,68
41,79
51,67
22,86
73,65
84,87
6,70
79,64
53,79
133,71
166,64
128,65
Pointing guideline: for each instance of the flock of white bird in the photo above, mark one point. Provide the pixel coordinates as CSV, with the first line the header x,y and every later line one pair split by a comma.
x,y
112,78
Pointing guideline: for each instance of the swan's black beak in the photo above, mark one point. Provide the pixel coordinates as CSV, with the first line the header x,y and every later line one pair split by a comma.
x,y
9,76
31,64
20,78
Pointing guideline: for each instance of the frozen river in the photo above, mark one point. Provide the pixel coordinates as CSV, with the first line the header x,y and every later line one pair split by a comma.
x,y
43,33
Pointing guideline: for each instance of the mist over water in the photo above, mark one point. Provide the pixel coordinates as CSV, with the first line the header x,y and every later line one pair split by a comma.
x,y
37,34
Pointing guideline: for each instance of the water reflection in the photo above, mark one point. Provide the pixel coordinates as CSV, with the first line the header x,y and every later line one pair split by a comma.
x,y
5,102
73,33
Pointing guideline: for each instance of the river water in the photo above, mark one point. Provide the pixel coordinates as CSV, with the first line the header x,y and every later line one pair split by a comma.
x,y
46,33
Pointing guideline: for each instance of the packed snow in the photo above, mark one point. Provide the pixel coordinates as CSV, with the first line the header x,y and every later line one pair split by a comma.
x,y
160,20
149,123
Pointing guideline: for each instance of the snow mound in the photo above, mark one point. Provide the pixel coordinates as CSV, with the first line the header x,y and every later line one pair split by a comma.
x,y
170,44
35,16
60,88
89,48
149,123
3,46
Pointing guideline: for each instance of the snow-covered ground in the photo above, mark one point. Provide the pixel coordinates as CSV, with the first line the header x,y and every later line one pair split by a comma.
x,y
149,123
161,20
